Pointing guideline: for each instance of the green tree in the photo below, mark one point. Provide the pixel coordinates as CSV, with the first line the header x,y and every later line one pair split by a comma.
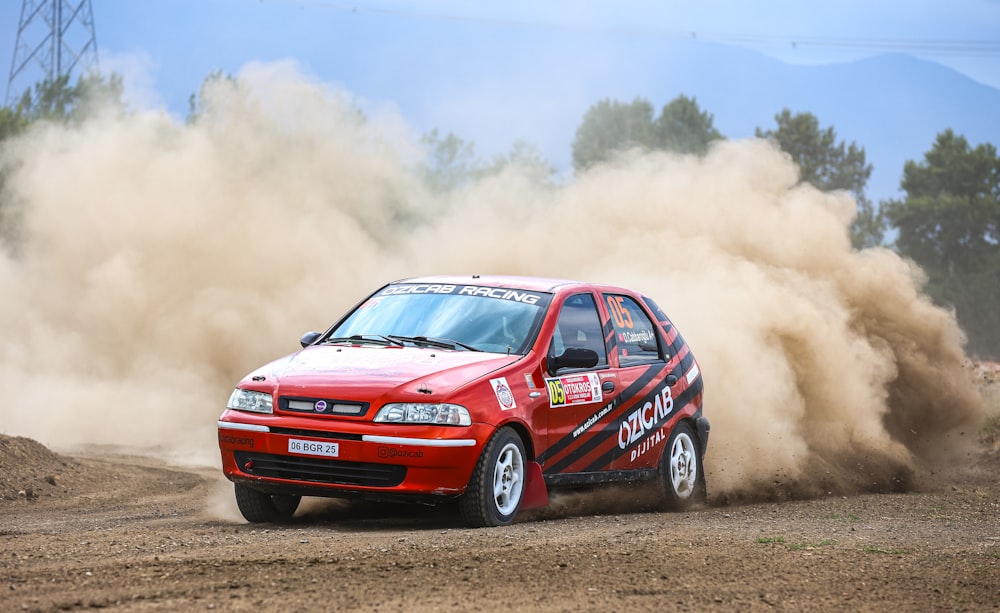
x,y
58,100
829,165
52,99
526,157
611,126
197,102
11,123
949,224
452,162
682,127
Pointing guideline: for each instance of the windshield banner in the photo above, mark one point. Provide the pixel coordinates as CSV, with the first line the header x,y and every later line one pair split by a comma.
x,y
499,293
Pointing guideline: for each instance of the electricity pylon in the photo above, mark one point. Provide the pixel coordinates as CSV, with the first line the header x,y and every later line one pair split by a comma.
x,y
55,35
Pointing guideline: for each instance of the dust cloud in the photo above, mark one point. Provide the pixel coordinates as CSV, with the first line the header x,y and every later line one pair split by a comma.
x,y
151,263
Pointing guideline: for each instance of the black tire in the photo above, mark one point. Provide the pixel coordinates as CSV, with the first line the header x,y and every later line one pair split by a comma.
x,y
496,488
681,476
260,507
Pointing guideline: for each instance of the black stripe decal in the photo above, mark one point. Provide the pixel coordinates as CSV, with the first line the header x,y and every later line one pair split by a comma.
x,y
651,373
679,403
610,338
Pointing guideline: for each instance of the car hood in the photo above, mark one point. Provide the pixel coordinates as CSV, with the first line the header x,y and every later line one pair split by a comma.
x,y
367,373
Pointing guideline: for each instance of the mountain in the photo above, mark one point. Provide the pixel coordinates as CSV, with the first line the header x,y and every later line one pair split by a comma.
x,y
892,105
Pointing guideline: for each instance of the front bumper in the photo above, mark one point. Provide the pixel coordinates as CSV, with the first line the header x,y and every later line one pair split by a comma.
x,y
348,458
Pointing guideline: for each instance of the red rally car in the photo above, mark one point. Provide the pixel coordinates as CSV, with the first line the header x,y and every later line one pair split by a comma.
x,y
489,390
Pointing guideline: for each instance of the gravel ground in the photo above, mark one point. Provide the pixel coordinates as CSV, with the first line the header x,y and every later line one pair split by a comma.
x,y
127,534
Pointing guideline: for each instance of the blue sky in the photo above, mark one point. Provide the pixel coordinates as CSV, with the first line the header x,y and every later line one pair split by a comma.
x,y
460,66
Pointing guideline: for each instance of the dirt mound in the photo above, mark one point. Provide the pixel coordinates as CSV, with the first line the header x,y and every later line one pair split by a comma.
x,y
29,470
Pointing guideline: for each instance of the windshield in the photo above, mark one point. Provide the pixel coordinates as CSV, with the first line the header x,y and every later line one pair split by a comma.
x,y
497,320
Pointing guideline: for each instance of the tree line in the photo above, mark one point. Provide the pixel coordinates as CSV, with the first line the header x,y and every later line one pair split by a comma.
x,y
948,220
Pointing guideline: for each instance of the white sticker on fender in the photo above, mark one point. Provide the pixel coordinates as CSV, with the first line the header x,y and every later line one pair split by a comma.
x,y
505,397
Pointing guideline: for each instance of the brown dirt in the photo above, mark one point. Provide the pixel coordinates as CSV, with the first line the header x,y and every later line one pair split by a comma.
x,y
127,534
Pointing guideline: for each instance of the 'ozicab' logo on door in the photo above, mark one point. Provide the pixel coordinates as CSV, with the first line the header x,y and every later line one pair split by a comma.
x,y
644,419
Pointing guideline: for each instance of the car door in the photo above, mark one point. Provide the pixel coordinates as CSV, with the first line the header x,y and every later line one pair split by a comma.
x,y
577,397
645,367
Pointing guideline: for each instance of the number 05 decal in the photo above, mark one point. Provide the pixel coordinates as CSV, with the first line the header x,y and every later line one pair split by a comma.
x,y
557,396
623,319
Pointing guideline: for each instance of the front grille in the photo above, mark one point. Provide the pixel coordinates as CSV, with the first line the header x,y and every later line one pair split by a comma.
x,y
319,470
321,406
343,436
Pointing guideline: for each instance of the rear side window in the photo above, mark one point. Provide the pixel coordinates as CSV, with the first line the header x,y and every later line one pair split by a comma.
x,y
635,333
579,325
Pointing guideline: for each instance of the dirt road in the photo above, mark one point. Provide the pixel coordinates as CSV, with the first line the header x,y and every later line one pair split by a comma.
x,y
126,534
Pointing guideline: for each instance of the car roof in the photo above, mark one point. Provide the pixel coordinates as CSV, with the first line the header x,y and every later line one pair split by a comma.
x,y
538,284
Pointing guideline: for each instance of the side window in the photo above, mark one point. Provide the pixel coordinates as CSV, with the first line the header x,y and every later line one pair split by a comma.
x,y
579,325
635,332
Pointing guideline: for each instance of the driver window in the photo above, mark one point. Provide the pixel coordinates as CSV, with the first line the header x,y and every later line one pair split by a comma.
x,y
579,325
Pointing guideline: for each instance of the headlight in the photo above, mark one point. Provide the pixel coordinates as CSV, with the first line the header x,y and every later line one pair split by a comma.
x,y
249,400
420,413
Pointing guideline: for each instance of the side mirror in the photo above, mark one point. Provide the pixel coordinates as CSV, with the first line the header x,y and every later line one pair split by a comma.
x,y
309,338
574,357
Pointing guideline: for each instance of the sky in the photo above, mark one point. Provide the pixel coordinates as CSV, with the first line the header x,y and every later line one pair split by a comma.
x,y
456,66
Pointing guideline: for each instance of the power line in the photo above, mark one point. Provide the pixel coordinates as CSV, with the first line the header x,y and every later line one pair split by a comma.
x,y
925,46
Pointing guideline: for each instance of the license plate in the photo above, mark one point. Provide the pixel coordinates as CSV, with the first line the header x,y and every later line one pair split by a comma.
x,y
330,450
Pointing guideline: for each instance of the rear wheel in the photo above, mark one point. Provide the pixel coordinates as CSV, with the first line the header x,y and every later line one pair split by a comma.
x,y
496,488
681,475
260,507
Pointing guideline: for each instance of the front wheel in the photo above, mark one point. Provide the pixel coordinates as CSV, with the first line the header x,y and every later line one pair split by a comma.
x,y
496,488
681,475
260,507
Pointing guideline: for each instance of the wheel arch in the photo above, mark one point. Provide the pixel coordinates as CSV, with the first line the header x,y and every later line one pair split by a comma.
x,y
524,433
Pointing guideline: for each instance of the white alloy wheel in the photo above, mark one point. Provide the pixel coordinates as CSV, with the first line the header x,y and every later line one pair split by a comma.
x,y
508,479
681,477
683,465
496,487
